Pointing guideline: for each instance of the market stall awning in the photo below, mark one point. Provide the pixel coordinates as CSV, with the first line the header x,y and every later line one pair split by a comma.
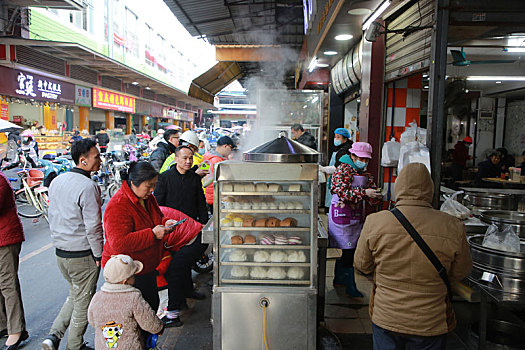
x,y
205,86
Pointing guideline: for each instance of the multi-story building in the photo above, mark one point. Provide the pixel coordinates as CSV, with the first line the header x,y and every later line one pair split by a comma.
x,y
92,50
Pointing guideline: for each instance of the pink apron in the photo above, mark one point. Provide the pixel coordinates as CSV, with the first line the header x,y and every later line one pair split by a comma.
x,y
345,220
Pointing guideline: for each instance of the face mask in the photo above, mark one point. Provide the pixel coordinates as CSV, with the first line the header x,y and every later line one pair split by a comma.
x,y
202,151
337,143
360,165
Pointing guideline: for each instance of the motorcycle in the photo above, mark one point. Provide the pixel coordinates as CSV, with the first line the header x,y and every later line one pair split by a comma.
x,y
205,263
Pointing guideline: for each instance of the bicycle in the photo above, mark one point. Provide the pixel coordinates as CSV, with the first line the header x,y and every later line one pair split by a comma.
x,y
32,200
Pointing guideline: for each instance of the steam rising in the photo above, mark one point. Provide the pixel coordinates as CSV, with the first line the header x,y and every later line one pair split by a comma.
x,y
268,91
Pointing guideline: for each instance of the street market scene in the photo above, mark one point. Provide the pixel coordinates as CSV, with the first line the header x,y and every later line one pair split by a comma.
x,y
262,174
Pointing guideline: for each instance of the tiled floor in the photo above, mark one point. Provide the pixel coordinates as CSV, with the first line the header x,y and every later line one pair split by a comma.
x,y
349,319
345,315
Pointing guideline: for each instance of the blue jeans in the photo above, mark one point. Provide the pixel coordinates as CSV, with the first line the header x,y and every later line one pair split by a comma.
x,y
388,340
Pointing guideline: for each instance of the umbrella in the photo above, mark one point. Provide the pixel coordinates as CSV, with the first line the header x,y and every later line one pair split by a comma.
x,y
6,126
174,127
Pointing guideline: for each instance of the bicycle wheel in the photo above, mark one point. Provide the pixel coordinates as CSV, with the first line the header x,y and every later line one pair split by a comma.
x,y
20,197
44,200
26,209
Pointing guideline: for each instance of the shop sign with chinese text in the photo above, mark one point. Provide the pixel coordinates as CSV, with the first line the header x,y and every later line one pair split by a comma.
x,y
112,100
4,111
19,83
82,96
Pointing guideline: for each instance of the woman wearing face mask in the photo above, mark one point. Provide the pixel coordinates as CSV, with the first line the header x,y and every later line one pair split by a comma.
x,y
342,143
354,196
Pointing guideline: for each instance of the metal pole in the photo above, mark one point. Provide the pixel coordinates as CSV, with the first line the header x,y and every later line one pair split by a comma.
x,y
436,113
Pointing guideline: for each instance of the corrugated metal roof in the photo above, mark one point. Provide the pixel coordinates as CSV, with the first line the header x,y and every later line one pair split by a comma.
x,y
242,21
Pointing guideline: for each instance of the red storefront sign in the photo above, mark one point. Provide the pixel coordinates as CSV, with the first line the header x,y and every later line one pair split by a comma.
x,y
4,111
111,100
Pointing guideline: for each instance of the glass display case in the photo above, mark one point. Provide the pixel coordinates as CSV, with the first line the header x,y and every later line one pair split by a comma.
x,y
265,232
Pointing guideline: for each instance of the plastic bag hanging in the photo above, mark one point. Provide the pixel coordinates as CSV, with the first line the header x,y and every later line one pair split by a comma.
x,y
390,153
452,207
413,152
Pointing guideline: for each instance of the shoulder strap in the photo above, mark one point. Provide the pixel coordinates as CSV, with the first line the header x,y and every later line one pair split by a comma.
x,y
424,247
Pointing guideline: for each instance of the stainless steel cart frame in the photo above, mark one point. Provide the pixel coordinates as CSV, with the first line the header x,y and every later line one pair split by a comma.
x,y
237,304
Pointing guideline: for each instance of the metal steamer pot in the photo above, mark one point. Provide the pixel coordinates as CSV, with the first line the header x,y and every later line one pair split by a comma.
x,y
498,270
479,201
505,217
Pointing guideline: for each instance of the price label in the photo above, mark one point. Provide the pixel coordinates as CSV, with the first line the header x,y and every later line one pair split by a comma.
x,y
488,277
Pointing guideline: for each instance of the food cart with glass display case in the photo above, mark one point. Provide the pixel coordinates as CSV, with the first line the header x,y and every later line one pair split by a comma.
x,y
265,244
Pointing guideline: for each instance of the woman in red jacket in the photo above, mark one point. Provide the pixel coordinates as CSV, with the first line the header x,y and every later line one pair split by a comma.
x,y
134,225
11,238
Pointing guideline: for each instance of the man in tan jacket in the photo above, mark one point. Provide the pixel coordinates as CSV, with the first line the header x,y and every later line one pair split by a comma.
x,y
408,303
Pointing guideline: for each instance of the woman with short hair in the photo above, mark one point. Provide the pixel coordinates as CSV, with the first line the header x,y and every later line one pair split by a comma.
x,y
134,225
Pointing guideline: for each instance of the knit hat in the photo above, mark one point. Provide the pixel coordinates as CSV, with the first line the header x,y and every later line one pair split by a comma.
x,y
361,149
342,132
121,267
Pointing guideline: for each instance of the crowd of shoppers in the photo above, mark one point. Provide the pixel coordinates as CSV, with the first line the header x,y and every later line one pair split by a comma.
x,y
157,219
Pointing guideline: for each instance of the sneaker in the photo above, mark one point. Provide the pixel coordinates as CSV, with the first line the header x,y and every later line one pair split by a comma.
x,y
85,347
51,342
171,322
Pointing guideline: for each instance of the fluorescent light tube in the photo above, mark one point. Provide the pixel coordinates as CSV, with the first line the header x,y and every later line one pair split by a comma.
x,y
515,49
495,78
312,64
378,12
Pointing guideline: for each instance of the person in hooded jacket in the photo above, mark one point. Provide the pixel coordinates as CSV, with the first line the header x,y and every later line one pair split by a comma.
x,y
342,143
408,303
354,197
164,149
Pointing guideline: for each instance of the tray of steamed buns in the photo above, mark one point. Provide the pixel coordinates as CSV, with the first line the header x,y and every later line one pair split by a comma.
x,y
242,222
261,204
267,274
262,188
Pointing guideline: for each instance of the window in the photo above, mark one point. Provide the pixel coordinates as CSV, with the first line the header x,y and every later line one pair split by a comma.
x,y
160,48
148,54
131,39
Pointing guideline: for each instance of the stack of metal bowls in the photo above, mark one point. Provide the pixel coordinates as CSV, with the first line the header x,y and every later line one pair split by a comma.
x,y
505,217
479,201
500,271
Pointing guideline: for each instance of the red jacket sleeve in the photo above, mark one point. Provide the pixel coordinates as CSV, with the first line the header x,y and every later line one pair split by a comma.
x,y
119,226
164,263
184,233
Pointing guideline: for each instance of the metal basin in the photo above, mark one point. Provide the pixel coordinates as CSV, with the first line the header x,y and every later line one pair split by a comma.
x,y
498,270
501,335
478,201
501,217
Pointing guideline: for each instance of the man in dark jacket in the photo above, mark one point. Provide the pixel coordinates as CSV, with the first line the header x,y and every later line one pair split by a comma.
x,y
164,149
489,168
304,137
181,189
102,139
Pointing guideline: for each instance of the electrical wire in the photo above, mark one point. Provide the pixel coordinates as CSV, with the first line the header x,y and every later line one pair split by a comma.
x,y
264,328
